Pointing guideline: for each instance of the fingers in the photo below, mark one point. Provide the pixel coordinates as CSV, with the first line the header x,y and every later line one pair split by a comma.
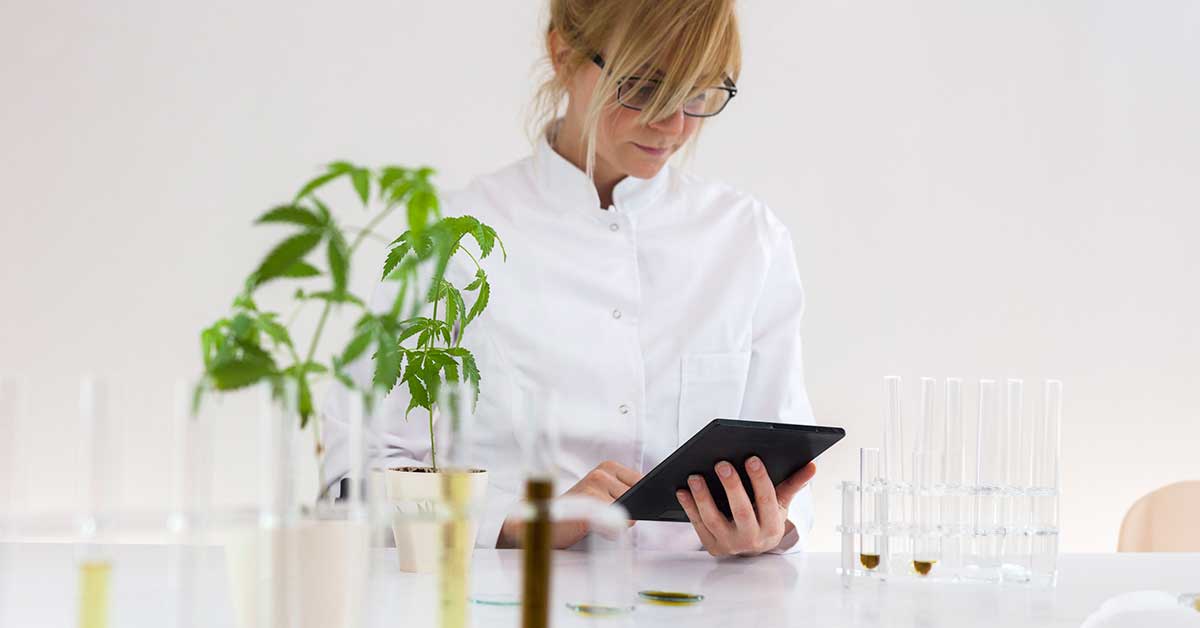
x,y
624,474
770,517
739,502
789,487
709,514
604,483
693,515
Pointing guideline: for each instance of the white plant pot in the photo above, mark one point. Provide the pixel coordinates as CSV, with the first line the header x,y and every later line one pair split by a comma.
x,y
415,497
312,575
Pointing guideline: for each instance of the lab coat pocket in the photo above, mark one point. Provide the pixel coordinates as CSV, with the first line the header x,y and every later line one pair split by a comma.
x,y
711,388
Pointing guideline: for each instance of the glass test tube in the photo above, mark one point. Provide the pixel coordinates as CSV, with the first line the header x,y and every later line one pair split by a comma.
x,y
277,584
895,513
456,415
872,500
190,448
607,590
99,455
535,407
1018,470
927,547
953,511
989,476
851,494
1046,469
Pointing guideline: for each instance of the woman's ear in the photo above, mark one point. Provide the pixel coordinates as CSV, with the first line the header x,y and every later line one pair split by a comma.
x,y
559,50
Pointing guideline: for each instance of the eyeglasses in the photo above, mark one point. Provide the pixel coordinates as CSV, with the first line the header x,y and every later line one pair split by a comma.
x,y
636,92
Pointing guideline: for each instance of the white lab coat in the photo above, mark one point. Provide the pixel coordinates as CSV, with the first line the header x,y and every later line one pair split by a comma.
x,y
678,304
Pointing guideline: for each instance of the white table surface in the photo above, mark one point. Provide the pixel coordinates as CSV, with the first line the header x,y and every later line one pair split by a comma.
x,y
38,588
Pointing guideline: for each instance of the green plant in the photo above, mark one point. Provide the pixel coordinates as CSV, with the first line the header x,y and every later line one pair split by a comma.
x,y
253,345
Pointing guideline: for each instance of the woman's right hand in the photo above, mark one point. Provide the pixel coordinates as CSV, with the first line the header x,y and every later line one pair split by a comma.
x,y
606,483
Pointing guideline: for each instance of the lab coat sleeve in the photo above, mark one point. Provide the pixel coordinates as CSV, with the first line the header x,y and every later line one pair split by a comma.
x,y
775,384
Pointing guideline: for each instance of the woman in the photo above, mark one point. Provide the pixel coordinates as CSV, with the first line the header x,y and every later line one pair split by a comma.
x,y
649,300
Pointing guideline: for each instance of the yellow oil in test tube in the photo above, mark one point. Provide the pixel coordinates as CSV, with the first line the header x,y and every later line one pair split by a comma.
x,y
94,576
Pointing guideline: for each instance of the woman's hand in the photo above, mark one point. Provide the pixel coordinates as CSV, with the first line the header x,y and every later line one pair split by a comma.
x,y
605,483
756,527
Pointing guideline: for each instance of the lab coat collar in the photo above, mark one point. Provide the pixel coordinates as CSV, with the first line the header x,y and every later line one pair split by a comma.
x,y
568,187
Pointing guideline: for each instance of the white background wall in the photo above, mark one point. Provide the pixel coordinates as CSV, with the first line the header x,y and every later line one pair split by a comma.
x,y
975,189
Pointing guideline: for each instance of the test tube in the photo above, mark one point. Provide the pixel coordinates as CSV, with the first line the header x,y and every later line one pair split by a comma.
x,y
871,513
927,548
851,526
895,486
99,455
277,512
607,591
989,477
1018,470
535,407
455,418
926,480
1044,559
953,512
190,448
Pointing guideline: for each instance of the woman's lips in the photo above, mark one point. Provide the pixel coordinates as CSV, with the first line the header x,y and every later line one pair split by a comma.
x,y
656,152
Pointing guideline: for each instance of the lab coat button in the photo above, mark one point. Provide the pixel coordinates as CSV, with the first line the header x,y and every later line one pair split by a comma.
x,y
614,227
616,314
623,409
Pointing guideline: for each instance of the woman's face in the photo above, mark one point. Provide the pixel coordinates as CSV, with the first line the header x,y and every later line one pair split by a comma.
x,y
623,146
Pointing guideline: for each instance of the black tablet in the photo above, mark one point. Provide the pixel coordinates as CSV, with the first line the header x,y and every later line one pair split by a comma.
x,y
784,448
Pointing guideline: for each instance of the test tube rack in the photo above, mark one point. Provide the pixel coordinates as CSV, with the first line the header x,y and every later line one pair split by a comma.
x,y
937,514
1016,552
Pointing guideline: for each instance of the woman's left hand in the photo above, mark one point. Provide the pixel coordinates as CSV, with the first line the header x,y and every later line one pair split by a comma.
x,y
756,527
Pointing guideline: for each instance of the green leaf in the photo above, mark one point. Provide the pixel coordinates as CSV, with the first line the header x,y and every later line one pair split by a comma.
x,y
480,277
388,176
333,297
277,332
412,327
485,238
240,373
394,257
242,327
492,235
357,345
300,270
387,360
316,183
291,214
361,177
481,301
304,400
470,368
338,254
287,253
418,395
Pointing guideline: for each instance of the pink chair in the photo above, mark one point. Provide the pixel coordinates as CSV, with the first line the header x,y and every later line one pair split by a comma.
x,y
1165,520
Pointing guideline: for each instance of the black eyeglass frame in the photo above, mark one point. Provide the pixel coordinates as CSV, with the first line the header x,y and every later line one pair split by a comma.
x,y
729,86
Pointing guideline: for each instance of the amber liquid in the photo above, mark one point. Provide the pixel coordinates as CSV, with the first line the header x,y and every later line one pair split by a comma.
x,y
535,595
870,561
923,567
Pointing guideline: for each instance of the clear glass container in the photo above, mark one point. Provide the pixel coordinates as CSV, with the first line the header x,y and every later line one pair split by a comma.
x,y
872,500
988,513
1044,494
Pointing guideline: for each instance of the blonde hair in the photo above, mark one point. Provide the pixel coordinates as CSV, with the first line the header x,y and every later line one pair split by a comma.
x,y
691,43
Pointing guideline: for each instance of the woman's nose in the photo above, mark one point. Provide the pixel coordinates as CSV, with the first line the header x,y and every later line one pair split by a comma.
x,y
672,124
